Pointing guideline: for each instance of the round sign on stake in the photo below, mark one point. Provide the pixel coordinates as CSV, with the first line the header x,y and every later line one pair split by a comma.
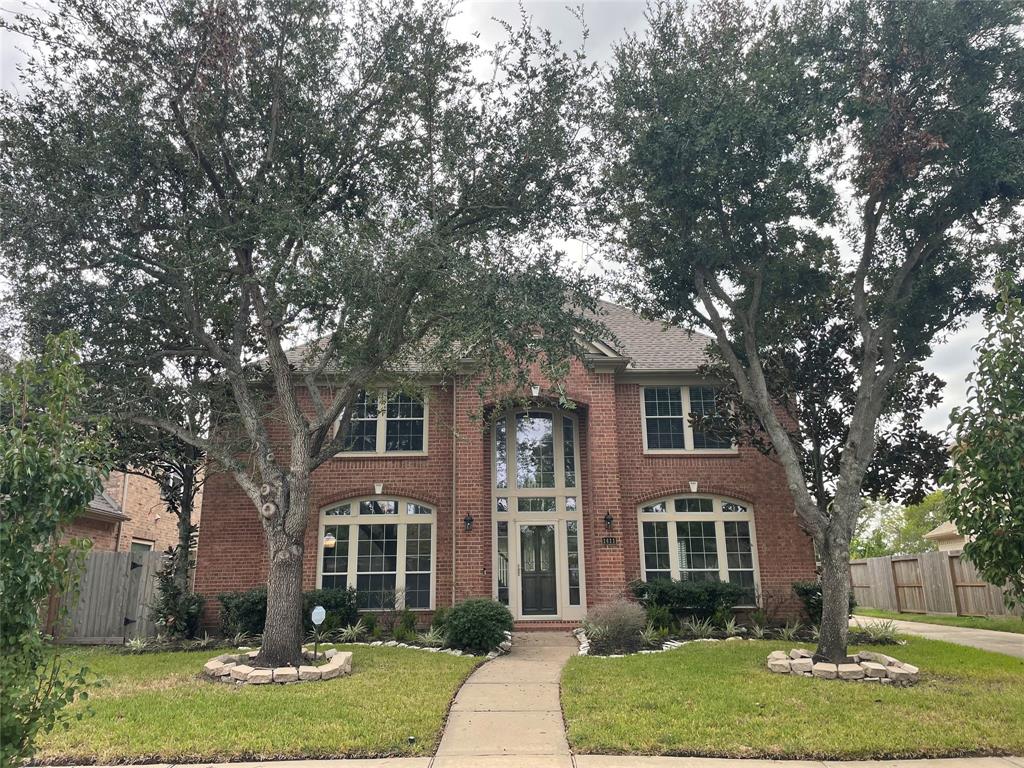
x,y
319,614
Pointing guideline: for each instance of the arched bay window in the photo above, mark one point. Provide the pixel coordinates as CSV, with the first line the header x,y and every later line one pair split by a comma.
x,y
699,538
383,547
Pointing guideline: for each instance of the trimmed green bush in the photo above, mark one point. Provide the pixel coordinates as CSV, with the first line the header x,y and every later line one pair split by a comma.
x,y
243,612
700,599
809,593
478,625
615,627
340,605
247,611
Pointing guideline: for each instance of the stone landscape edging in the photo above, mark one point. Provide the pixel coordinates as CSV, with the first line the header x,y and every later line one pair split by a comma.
x,y
667,645
867,666
231,667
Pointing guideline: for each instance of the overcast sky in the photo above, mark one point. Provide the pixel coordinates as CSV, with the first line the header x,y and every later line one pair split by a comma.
x,y
608,21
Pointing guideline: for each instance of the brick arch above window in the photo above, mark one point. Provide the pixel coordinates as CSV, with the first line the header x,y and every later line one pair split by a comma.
x,y
729,492
363,491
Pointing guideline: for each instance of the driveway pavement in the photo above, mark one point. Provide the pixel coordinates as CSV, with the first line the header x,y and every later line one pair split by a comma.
x,y
985,639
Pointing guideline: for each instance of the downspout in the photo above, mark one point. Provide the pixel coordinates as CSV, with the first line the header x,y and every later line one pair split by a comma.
x,y
124,500
455,469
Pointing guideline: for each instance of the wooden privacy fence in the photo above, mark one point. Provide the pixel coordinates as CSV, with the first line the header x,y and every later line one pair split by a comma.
x,y
932,582
112,602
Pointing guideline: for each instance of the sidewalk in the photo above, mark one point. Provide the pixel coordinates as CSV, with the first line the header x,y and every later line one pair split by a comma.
x,y
612,761
985,639
508,712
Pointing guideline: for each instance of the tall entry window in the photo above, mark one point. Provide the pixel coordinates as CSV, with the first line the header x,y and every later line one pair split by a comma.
x,y
383,547
699,538
537,541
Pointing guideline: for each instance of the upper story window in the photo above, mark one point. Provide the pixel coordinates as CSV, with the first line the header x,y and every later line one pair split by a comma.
x,y
386,422
667,415
535,451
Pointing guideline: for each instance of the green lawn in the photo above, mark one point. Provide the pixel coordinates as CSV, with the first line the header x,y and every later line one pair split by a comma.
x,y
719,699
998,623
154,708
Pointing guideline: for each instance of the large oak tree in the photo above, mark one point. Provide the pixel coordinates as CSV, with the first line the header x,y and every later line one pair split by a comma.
x,y
820,187
239,176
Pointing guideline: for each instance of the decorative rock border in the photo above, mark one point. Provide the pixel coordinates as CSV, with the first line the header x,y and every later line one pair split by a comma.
x,y
503,647
233,668
867,666
668,645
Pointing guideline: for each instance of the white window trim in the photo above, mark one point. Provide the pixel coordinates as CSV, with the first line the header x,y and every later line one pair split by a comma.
x,y
687,427
382,431
558,517
353,520
148,542
717,516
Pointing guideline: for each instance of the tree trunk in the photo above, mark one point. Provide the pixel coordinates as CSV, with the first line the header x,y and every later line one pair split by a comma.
x,y
835,589
282,634
285,530
185,528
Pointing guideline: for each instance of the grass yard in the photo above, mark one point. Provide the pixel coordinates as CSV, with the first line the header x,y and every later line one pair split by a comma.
x,y
154,708
998,623
719,699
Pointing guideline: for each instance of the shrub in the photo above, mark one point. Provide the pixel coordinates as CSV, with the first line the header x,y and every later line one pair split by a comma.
x,y
340,605
700,628
351,633
478,625
809,593
440,618
615,627
176,609
659,617
689,598
243,612
247,611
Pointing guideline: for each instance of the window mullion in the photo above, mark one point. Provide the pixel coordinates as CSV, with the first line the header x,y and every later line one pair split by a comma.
x,y
723,556
687,427
673,549
353,554
382,420
403,529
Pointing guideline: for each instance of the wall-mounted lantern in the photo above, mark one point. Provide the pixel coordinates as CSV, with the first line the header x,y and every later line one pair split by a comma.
x,y
467,522
608,520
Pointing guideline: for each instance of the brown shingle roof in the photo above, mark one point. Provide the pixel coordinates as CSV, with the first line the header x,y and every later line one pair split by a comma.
x,y
104,506
649,345
652,345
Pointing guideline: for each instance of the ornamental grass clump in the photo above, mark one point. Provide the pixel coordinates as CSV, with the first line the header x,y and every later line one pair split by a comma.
x,y
615,627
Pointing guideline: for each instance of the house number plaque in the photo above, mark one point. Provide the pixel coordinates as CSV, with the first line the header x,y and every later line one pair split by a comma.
x,y
610,541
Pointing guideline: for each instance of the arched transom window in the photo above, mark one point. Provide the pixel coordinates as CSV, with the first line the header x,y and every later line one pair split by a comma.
x,y
383,547
699,538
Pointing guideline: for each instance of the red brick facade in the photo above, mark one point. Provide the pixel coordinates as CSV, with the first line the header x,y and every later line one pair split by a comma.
x,y
455,478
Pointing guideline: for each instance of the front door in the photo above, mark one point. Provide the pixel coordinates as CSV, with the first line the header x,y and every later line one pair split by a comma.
x,y
537,558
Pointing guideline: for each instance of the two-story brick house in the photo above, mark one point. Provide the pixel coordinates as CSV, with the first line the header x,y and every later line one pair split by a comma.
x,y
546,509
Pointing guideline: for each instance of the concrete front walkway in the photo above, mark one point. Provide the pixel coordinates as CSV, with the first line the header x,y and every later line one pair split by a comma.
x,y
985,639
508,712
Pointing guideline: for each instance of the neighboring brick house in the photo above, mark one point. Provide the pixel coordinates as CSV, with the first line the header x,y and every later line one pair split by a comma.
x,y
548,510
129,515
